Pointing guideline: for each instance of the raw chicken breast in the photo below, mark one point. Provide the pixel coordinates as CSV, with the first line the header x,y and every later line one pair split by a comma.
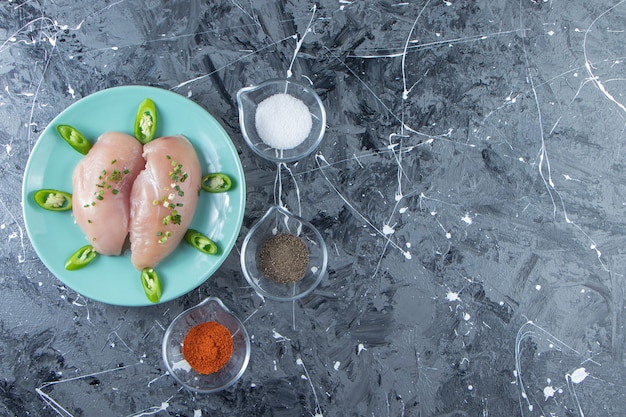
x,y
163,199
101,183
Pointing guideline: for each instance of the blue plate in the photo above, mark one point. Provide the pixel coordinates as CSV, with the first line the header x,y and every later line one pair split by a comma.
x,y
113,279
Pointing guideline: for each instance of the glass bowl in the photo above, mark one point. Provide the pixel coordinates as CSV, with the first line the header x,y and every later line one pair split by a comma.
x,y
211,309
248,100
278,220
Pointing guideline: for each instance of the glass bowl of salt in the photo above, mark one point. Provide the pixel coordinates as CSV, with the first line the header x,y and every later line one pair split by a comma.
x,y
281,120
283,257
197,349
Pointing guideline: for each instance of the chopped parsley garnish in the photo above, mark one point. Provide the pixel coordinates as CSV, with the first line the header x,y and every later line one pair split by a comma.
x,y
177,175
108,181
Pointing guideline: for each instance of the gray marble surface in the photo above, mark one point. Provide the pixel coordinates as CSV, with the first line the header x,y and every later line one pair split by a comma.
x,y
471,188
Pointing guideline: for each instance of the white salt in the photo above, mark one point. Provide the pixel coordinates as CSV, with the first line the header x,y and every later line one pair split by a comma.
x,y
283,121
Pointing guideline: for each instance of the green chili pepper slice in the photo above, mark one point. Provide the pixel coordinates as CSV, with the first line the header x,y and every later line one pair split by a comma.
x,y
200,242
151,284
53,200
216,182
75,139
81,258
146,121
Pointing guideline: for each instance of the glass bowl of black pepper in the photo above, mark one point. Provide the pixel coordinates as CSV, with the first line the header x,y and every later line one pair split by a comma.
x,y
206,366
281,120
283,257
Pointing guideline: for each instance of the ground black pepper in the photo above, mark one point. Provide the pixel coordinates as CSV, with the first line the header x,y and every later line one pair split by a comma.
x,y
284,258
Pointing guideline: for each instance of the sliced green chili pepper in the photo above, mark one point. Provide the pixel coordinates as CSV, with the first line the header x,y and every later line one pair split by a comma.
x,y
146,121
151,284
216,182
53,200
200,242
81,258
75,139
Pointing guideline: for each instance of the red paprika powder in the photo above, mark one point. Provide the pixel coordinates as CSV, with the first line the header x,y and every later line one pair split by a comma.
x,y
207,347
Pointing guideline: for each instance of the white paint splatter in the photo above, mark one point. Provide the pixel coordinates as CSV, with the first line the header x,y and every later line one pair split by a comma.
x,y
279,337
403,210
337,365
470,387
549,392
318,410
538,287
388,230
453,296
592,76
299,42
466,316
360,348
511,99
54,405
578,375
467,219
197,413
61,26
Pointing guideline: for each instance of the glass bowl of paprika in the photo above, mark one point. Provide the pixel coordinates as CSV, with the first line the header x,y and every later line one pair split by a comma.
x,y
206,348
281,120
283,257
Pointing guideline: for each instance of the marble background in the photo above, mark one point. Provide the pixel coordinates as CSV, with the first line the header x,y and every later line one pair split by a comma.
x,y
470,187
